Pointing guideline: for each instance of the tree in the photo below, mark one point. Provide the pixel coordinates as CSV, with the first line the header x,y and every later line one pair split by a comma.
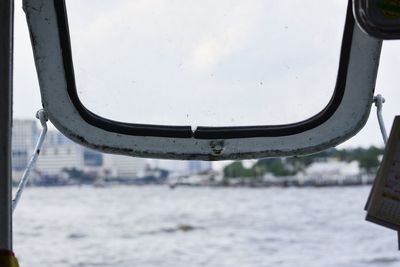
x,y
236,169
369,159
276,166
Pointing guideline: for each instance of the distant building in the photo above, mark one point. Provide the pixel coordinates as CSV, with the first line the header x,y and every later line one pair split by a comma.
x,y
58,153
124,166
24,136
183,167
333,168
177,166
197,166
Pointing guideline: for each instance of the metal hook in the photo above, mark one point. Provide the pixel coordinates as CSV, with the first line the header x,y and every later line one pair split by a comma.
x,y
379,100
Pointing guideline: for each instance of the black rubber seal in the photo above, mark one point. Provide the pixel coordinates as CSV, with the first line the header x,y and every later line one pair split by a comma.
x,y
204,132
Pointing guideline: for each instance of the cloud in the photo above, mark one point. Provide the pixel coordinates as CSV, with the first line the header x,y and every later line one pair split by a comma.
x,y
210,52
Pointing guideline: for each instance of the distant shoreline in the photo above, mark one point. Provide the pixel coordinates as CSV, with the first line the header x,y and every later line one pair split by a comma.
x,y
232,183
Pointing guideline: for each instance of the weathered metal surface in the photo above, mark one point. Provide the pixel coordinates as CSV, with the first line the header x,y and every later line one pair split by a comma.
x,y
6,73
348,119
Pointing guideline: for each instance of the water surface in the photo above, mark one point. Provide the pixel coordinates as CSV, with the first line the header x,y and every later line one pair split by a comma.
x,y
190,227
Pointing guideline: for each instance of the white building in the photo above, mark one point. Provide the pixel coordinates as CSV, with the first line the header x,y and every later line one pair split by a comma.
x,y
24,135
197,166
333,168
183,167
124,166
59,153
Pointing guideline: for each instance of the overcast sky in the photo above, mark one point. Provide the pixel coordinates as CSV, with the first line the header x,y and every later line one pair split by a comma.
x,y
214,63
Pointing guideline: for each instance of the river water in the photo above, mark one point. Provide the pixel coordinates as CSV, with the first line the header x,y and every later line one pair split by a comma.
x,y
190,227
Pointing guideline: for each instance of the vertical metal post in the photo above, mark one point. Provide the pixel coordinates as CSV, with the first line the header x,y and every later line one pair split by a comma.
x,y
6,85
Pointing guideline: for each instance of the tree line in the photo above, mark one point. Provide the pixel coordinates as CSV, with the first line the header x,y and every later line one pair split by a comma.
x,y
367,158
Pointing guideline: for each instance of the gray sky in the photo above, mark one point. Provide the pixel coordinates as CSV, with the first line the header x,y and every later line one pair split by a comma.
x,y
227,62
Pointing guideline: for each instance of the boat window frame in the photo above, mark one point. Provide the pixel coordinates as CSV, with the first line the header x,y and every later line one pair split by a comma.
x,y
367,17
48,24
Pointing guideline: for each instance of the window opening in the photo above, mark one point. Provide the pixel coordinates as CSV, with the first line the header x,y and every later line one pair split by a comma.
x,y
203,63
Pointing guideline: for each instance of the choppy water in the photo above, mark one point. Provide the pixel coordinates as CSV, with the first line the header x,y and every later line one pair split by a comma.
x,y
152,226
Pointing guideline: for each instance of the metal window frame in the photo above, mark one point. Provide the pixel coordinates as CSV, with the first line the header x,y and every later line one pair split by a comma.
x,y
343,117
369,19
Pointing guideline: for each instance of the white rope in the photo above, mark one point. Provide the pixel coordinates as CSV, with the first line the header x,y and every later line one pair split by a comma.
x,y
41,115
379,100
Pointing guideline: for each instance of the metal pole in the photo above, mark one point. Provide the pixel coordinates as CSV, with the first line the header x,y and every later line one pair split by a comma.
x,y
6,78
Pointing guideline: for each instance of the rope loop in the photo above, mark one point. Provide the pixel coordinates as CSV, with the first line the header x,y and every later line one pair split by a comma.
x,y
42,116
